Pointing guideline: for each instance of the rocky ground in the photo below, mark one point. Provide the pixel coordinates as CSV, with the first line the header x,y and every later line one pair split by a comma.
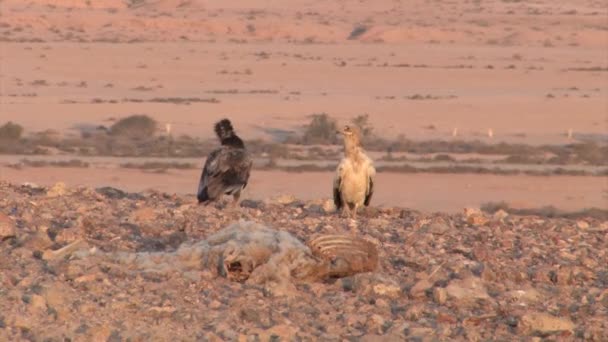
x,y
468,276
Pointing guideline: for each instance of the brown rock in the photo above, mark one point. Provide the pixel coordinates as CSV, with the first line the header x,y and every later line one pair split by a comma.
x,y
500,215
424,333
374,284
162,310
375,323
329,206
475,217
284,199
100,333
143,215
67,235
372,338
7,227
420,288
284,332
37,303
440,295
540,322
56,190
468,289
524,296
438,228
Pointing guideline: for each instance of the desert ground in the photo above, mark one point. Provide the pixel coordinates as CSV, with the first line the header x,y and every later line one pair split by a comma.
x,y
499,106
449,71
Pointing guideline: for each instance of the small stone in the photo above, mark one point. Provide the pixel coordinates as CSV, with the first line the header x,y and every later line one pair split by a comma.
x,y
37,303
372,284
375,323
143,215
440,295
111,193
420,288
7,227
539,322
284,199
500,215
66,236
582,224
162,309
468,212
86,278
524,297
438,228
215,304
283,332
56,190
475,217
389,290
248,203
329,206
468,289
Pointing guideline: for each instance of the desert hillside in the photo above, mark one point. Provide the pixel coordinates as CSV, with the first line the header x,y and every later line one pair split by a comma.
x,y
92,264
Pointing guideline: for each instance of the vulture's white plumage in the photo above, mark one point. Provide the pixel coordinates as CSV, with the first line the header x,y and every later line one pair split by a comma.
x,y
353,185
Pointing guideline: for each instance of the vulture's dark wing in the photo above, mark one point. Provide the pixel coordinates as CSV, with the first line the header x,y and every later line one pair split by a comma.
x,y
226,170
370,191
336,188
371,173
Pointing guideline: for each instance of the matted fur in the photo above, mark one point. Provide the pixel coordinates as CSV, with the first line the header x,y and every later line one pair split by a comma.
x,y
250,252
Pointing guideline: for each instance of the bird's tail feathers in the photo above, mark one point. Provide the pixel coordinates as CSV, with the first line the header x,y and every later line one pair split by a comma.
x,y
202,195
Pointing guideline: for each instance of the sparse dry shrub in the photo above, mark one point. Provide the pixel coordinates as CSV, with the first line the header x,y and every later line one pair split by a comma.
x,y
587,152
443,157
357,31
137,126
53,163
321,130
273,150
591,153
158,165
362,122
10,131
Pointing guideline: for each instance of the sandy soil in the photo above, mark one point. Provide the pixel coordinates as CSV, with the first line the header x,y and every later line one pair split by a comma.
x,y
529,72
425,192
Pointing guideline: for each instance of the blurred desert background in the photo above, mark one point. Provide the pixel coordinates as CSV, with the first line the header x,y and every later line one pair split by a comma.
x,y
493,104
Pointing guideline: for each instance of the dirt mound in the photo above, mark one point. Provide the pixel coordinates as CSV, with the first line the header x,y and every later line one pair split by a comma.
x,y
105,264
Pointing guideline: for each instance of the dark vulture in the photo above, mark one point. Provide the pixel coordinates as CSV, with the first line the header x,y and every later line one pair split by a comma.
x,y
227,168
